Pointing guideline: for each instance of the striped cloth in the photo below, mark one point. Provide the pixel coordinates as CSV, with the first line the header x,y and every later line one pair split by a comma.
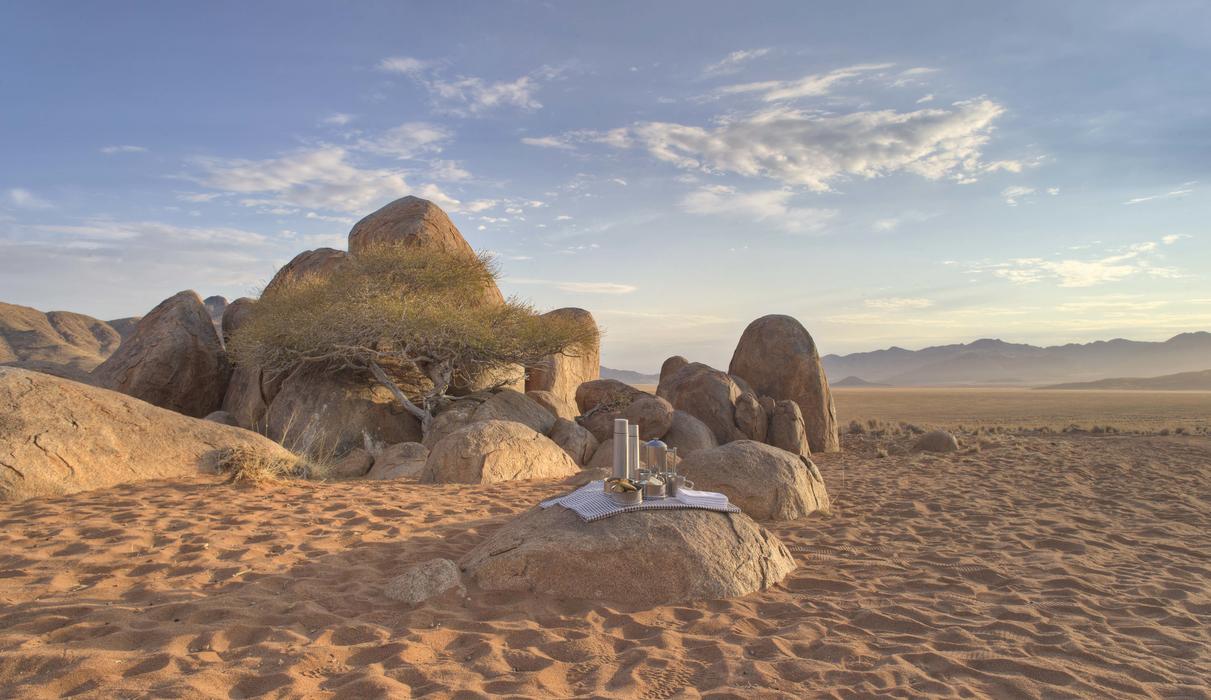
x,y
591,502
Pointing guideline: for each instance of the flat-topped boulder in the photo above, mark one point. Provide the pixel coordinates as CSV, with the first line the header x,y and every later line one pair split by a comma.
x,y
562,373
492,451
58,436
653,557
765,482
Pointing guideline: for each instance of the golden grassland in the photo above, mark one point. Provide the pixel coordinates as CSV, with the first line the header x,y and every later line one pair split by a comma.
x,y
1144,411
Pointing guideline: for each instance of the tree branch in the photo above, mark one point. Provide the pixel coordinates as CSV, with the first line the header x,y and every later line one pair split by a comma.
x,y
421,414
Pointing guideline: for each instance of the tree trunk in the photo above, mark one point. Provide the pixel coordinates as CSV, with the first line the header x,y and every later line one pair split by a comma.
x,y
424,416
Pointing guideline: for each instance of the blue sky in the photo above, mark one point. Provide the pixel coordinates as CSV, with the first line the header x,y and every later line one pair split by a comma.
x,y
888,173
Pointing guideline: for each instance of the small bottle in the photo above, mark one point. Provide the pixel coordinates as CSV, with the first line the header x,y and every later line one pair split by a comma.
x,y
621,452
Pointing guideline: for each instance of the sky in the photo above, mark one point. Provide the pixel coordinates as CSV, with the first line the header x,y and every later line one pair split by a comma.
x,y
902,174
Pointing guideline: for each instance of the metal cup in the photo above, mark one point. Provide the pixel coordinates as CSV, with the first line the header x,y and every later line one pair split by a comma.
x,y
677,482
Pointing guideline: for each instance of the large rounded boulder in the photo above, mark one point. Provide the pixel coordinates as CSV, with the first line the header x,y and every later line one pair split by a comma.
x,y
652,557
575,439
786,429
493,451
58,436
329,413
707,394
562,373
652,414
778,358
417,223
320,261
765,482
688,434
508,404
174,360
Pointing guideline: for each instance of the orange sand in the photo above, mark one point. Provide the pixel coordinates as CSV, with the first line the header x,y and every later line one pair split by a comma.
x,y
1038,567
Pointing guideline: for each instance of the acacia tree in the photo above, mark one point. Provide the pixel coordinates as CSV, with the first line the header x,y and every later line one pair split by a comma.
x,y
416,320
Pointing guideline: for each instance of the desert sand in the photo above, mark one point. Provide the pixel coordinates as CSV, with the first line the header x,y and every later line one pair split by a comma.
x,y
1037,566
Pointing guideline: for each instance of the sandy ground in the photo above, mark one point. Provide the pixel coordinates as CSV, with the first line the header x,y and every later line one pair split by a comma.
x,y
1054,566
949,407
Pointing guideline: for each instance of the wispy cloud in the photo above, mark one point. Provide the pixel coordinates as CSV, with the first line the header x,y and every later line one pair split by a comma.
x,y
1182,191
765,206
547,142
113,150
24,199
898,303
1016,193
407,140
814,150
470,95
813,85
578,287
733,62
322,178
1133,260
338,119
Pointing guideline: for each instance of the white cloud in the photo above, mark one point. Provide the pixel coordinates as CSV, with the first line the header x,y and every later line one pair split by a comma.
x,y
808,86
886,224
1182,191
926,98
898,303
813,150
1053,191
563,217
338,119
448,171
407,140
197,197
106,231
1130,261
322,178
112,150
912,76
403,65
24,199
547,142
732,62
1111,302
469,95
763,205
619,181
1174,238
1013,194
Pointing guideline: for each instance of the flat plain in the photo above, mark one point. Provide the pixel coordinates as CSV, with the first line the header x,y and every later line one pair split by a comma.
x,y
1012,408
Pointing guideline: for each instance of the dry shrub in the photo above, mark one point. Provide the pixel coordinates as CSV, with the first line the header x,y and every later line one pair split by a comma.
x,y
245,464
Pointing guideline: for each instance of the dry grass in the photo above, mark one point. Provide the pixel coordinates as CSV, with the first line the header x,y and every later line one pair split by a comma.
x,y
248,465
1160,412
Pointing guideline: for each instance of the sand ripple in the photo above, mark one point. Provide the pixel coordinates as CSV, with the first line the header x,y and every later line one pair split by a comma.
x,y
1070,566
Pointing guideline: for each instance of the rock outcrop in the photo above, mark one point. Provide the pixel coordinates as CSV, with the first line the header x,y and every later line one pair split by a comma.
x,y
575,439
778,358
765,482
61,343
320,261
671,366
235,315
507,404
652,414
936,441
423,581
174,360
613,393
58,436
563,374
493,451
652,557
324,413
688,434
405,460
353,465
414,222
751,417
707,394
786,429
557,406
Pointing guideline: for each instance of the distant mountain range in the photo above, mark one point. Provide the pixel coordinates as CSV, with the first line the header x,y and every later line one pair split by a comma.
x,y
1182,381
628,377
996,362
853,381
